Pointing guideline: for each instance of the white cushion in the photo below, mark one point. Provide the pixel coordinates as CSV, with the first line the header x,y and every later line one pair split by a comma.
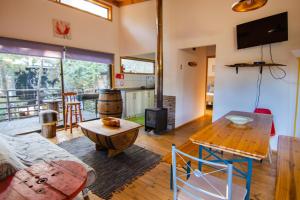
x,y
9,163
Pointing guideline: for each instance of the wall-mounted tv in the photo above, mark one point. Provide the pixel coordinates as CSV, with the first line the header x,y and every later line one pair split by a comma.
x,y
263,31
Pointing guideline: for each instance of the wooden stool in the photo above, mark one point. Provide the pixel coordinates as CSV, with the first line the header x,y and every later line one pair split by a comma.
x,y
48,119
72,108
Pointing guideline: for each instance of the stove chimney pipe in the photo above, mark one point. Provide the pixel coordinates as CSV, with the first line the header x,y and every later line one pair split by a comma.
x,y
159,53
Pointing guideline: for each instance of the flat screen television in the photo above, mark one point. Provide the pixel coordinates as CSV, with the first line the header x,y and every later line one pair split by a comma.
x,y
263,31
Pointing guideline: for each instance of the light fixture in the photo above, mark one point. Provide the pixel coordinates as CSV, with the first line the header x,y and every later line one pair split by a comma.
x,y
248,5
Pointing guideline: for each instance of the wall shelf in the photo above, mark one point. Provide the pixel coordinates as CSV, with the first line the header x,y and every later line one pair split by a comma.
x,y
261,66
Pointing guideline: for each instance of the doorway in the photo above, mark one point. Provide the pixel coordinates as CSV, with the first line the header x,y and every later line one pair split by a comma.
x,y
210,84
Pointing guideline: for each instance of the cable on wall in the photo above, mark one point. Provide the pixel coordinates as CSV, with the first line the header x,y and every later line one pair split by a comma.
x,y
259,79
281,70
272,72
258,89
262,53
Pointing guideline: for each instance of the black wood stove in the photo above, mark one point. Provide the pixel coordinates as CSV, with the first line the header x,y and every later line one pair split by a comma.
x,y
156,119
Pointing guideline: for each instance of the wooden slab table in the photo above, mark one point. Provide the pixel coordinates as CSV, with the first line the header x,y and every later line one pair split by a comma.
x,y
249,142
113,139
53,104
55,180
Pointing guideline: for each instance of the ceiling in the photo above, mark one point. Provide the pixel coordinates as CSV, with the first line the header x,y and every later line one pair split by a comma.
x,y
120,3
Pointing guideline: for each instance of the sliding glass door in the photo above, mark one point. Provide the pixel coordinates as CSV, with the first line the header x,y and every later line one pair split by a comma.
x,y
86,79
28,83
25,82
34,75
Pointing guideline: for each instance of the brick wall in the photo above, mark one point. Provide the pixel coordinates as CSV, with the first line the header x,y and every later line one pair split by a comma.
x,y
169,102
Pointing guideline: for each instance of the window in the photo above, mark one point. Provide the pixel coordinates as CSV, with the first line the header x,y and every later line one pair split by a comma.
x,y
26,81
137,66
94,7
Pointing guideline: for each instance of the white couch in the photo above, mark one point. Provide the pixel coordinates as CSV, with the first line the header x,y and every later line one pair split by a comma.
x,y
32,148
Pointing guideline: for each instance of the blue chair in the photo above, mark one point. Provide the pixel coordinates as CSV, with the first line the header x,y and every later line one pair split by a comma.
x,y
203,185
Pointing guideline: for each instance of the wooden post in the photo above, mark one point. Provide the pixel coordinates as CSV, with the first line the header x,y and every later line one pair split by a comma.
x,y
112,75
63,85
159,53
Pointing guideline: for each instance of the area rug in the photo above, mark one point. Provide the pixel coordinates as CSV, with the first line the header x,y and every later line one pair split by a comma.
x,y
112,173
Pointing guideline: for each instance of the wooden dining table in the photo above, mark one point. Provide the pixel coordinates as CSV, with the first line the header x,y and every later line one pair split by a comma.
x,y
247,142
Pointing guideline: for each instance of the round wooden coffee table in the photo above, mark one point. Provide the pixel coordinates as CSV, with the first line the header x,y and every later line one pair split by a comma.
x,y
114,140
45,181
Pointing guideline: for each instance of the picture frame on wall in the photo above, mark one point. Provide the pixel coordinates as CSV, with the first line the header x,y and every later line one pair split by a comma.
x,y
61,29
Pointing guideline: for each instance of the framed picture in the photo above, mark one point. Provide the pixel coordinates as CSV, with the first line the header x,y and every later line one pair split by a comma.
x,y
61,29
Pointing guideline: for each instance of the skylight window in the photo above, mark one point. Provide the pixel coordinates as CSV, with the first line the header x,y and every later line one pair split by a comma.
x,y
91,6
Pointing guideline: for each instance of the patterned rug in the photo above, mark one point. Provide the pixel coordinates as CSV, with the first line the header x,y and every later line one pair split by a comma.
x,y
112,173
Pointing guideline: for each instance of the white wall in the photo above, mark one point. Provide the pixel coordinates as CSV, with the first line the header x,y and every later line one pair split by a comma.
x,y
138,36
190,99
32,20
209,22
138,28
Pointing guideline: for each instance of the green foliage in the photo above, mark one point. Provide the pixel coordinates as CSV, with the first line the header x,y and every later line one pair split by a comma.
x,y
13,63
24,71
29,72
80,75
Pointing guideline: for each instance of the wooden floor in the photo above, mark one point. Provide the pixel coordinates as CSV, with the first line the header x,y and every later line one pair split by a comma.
x,y
155,183
288,168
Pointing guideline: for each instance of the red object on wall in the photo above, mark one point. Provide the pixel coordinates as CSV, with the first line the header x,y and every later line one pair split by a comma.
x,y
119,76
269,112
122,68
61,29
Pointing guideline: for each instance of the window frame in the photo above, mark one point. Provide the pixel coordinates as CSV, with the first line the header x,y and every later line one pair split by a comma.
x,y
96,2
137,59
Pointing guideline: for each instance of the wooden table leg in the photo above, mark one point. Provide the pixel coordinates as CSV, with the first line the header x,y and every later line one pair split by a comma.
x,y
99,147
66,118
71,117
76,115
112,152
80,115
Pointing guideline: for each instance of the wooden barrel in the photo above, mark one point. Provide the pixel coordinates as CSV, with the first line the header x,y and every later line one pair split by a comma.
x,y
110,103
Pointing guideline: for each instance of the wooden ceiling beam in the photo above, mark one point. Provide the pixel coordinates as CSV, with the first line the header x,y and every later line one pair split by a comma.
x,y
113,2
128,2
120,3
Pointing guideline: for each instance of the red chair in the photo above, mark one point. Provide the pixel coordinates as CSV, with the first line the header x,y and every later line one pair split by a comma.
x,y
272,133
266,111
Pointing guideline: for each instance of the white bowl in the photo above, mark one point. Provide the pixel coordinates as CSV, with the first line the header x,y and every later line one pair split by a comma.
x,y
239,120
